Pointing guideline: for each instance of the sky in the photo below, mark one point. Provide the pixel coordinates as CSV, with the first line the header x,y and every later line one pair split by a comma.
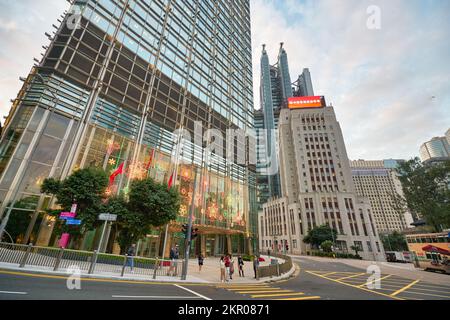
x,y
390,86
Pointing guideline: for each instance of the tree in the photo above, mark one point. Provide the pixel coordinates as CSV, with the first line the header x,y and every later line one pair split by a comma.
x,y
130,225
318,235
427,191
154,201
327,246
356,249
86,188
394,242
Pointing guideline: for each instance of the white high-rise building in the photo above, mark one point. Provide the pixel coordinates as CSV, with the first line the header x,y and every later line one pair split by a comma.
x,y
378,181
435,150
317,186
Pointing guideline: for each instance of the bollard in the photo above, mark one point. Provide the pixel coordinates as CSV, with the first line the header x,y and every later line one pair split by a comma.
x,y
25,256
58,259
93,262
124,265
278,269
155,267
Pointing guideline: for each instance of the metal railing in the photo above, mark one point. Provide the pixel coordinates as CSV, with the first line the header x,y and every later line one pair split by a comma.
x,y
60,259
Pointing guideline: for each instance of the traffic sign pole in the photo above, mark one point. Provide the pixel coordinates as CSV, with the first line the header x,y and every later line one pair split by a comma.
x,y
101,238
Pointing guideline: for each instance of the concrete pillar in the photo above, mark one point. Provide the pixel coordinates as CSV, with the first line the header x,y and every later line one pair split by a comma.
x,y
229,247
249,246
217,250
203,245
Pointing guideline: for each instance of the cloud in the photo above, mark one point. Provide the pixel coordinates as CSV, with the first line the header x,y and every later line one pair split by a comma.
x,y
380,81
22,27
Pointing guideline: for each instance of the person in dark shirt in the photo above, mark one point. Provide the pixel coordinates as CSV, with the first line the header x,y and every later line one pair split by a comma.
x,y
131,253
200,262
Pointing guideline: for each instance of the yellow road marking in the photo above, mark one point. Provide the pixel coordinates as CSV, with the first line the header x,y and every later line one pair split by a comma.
x,y
36,275
329,274
354,276
404,288
251,288
325,272
354,286
277,295
271,291
369,282
301,298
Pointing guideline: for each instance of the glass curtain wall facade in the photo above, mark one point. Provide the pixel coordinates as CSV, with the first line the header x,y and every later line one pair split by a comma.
x,y
115,89
275,89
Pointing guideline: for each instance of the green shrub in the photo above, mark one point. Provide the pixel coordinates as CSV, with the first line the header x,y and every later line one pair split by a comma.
x,y
248,257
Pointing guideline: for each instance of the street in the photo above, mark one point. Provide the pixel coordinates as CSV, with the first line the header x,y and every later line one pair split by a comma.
x,y
316,280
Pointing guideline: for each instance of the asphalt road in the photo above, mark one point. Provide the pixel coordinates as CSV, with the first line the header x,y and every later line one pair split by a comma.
x,y
317,280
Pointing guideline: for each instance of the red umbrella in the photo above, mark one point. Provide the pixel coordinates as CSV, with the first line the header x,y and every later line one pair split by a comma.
x,y
431,248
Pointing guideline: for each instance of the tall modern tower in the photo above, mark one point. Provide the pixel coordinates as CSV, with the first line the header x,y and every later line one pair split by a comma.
x,y
304,86
275,89
118,78
317,185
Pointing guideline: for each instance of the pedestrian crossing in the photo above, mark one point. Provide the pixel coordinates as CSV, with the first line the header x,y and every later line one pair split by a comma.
x,y
266,292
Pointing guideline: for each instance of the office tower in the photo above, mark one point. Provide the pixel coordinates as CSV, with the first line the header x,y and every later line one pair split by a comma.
x,y
317,185
119,77
378,181
303,86
275,89
447,136
436,150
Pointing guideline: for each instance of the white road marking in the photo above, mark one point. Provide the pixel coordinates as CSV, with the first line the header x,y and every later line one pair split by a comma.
x,y
193,292
13,292
155,297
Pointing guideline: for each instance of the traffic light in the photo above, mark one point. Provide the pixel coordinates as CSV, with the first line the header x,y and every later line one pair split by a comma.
x,y
194,233
287,247
184,230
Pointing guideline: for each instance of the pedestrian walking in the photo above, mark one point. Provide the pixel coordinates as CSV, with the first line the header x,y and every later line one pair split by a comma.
x,y
241,266
231,267
256,265
174,255
200,262
131,252
222,269
227,267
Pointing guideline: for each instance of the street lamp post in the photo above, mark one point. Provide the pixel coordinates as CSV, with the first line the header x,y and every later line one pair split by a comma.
x,y
28,159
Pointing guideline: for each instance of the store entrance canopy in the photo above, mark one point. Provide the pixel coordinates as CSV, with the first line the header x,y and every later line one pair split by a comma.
x,y
431,248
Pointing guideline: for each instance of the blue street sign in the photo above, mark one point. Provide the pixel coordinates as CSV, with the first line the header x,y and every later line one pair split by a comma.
x,y
73,222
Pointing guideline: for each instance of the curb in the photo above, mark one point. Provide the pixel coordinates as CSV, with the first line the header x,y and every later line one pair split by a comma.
x,y
107,277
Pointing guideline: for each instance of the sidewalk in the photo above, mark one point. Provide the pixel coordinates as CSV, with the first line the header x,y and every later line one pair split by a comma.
x,y
210,273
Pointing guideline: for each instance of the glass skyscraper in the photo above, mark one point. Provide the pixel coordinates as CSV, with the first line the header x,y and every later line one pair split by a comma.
x,y
119,77
275,90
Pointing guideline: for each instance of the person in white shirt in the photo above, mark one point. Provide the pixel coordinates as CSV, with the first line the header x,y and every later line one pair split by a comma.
x,y
222,269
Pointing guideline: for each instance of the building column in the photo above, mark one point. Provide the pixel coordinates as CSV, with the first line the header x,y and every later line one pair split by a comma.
x,y
229,246
217,250
249,245
203,245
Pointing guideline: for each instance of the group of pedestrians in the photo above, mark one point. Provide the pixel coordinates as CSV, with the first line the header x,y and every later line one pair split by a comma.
x,y
227,267
226,263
